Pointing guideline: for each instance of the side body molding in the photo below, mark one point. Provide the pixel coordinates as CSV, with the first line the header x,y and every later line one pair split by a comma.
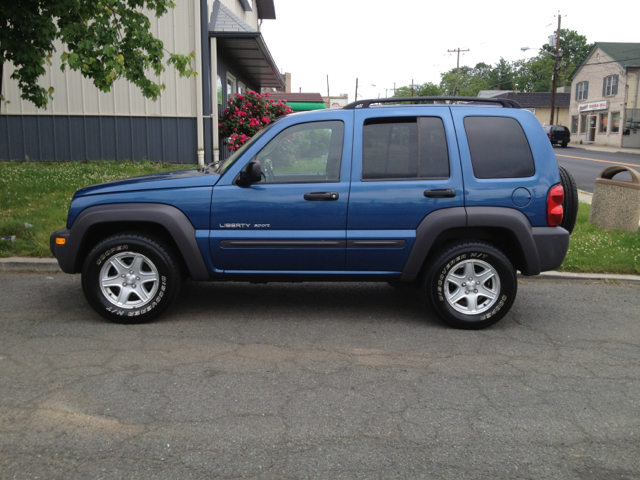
x,y
171,218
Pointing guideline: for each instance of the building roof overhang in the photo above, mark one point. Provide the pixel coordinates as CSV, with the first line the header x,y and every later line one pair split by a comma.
x,y
244,46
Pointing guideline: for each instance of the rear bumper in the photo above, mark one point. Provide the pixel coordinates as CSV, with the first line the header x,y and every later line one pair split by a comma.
x,y
552,244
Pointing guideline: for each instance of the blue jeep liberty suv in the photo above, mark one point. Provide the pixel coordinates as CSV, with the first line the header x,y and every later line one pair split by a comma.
x,y
451,198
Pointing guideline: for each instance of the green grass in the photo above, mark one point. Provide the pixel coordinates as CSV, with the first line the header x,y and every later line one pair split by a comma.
x,y
39,194
594,250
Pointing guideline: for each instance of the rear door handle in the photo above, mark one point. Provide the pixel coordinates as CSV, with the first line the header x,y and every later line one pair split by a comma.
x,y
440,193
321,196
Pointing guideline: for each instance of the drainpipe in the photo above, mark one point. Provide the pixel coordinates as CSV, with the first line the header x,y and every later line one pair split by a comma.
x,y
199,109
213,47
635,100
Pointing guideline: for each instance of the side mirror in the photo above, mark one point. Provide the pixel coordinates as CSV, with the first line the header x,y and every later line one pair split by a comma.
x,y
251,173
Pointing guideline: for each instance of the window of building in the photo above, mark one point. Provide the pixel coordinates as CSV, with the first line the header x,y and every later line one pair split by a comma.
x,y
604,117
219,90
582,91
615,122
231,86
610,86
305,153
498,148
241,88
404,148
574,123
583,123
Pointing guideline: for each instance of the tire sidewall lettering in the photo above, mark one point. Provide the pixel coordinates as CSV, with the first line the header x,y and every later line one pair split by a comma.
x,y
147,308
111,251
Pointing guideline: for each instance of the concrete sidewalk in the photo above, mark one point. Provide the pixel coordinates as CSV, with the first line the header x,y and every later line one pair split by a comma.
x,y
45,265
599,148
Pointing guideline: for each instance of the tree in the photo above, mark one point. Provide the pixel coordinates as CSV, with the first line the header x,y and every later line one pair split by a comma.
x,y
425,90
537,72
470,82
103,39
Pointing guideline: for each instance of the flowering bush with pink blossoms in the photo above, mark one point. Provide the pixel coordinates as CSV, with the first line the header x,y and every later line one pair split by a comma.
x,y
247,114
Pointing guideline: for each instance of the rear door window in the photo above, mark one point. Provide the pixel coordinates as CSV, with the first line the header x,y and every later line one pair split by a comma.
x,y
404,148
498,148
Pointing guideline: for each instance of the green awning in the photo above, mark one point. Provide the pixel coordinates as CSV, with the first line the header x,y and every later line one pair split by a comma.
x,y
305,106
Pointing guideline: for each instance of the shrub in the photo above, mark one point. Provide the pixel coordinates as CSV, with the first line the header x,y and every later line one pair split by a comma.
x,y
247,114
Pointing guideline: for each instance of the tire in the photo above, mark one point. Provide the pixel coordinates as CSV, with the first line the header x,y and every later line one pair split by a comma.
x,y
564,144
447,279
148,271
570,204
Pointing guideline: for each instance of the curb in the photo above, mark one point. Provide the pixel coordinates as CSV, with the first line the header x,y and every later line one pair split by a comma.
x,y
583,277
21,264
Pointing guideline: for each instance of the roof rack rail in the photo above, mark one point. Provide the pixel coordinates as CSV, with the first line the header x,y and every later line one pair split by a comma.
x,y
505,102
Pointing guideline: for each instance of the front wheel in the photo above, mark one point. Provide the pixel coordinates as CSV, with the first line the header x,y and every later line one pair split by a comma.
x,y
471,285
130,278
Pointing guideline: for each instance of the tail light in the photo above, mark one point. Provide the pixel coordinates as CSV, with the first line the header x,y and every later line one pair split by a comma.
x,y
554,206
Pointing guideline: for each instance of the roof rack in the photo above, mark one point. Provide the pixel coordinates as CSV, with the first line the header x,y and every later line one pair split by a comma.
x,y
505,102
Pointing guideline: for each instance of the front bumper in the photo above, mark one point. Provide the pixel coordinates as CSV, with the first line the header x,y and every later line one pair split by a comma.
x,y
63,253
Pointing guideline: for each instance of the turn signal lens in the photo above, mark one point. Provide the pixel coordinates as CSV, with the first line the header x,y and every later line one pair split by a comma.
x,y
554,206
60,241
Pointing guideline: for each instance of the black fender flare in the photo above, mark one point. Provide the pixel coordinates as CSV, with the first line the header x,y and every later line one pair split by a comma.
x,y
440,221
167,216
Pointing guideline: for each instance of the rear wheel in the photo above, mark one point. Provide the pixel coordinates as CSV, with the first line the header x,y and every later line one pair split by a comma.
x,y
564,144
130,278
570,204
471,285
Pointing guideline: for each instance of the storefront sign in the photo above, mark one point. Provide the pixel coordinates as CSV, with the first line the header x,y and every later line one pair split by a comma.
x,y
587,107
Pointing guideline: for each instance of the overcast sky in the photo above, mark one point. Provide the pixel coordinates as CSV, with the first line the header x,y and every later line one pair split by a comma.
x,y
382,42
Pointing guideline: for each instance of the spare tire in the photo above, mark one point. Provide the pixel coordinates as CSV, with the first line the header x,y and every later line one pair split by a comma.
x,y
570,204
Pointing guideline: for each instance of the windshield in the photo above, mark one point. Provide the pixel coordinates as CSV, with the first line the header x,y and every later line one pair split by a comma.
x,y
232,159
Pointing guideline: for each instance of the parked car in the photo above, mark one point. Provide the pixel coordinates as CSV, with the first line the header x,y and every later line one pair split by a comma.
x,y
453,199
558,135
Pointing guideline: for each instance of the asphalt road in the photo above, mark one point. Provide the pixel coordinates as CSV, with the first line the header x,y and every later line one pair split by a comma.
x,y
319,381
586,165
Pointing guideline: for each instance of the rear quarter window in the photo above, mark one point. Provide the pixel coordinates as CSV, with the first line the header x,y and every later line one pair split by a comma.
x,y
498,148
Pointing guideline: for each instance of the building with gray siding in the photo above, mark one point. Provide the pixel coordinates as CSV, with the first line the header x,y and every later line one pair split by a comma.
x,y
83,123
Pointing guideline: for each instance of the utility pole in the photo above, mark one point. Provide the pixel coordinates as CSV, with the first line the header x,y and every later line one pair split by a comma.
x,y
356,99
555,71
455,92
328,86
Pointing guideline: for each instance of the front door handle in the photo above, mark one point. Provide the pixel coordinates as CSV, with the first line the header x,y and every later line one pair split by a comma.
x,y
440,193
321,196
